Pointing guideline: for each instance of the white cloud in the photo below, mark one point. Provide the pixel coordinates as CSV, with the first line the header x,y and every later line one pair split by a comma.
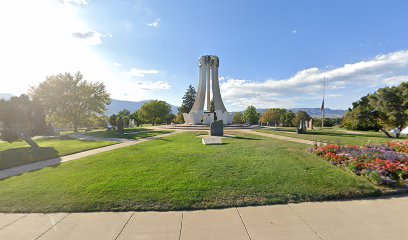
x,y
90,37
395,80
155,85
116,64
294,31
154,24
388,69
136,72
76,2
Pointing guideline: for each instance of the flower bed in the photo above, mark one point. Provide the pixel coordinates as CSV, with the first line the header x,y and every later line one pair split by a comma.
x,y
383,164
399,146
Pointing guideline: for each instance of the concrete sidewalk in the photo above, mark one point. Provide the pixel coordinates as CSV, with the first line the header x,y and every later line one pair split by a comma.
x,y
46,163
343,220
279,137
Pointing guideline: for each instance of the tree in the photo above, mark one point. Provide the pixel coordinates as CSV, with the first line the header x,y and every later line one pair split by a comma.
x,y
120,125
328,122
135,116
170,117
123,113
300,115
391,103
360,117
126,120
237,118
179,118
22,118
155,111
188,100
212,107
273,116
251,115
385,109
288,118
113,120
71,99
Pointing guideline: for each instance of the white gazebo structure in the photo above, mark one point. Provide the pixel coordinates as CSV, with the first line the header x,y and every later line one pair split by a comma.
x,y
208,74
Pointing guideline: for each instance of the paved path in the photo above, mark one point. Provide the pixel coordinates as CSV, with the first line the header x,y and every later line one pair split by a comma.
x,y
38,165
82,136
382,219
290,139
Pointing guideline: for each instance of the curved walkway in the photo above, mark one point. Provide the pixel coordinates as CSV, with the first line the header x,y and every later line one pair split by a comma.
x,y
284,138
375,219
46,163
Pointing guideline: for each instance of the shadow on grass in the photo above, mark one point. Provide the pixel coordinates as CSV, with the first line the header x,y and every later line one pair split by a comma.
x,y
334,134
246,138
25,155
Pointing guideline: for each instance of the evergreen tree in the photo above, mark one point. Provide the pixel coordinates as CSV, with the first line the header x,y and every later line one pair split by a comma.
x,y
188,100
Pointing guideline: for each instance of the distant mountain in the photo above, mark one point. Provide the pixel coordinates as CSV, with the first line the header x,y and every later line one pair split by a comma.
x,y
6,96
315,112
118,105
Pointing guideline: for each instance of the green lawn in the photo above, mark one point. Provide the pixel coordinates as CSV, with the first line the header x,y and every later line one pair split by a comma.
x,y
178,172
129,133
20,153
333,135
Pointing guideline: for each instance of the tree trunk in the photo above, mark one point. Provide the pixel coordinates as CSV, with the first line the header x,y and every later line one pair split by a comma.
x,y
75,127
30,141
386,133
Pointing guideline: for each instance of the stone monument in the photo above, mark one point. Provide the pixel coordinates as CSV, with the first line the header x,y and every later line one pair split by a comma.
x,y
217,128
302,127
209,65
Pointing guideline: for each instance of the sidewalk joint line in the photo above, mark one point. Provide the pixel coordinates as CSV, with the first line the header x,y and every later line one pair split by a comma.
x,y
181,225
317,234
52,226
13,222
242,220
125,225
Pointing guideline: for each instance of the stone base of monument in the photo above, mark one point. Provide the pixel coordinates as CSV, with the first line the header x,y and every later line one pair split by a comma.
x,y
211,140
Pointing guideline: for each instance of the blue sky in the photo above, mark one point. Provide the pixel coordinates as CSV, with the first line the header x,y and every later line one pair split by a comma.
x,y
272,53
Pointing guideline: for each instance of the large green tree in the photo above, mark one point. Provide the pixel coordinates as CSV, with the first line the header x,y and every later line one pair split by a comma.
x,y
155,112
188,100
274,116
361,116
251,115
288,117
392,105
300,115
70,99
385,109
22,118
123,113
136,118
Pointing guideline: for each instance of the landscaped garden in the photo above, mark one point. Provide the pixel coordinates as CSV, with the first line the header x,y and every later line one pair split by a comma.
x,y
178,172
20,153
333,136
128,133
385,164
